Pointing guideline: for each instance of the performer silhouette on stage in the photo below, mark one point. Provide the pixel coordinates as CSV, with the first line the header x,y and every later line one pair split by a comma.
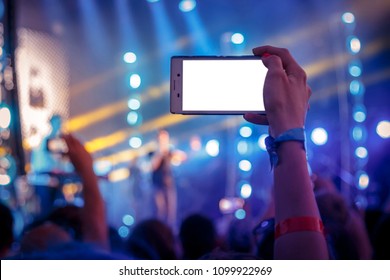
x,y
163,182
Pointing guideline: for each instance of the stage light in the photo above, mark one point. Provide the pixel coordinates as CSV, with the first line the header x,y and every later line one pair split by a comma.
x,y
361,152
354,44
356,87
135,81
135,142
5,179
128,220
245,165
359,133
237,38
240,214
245,131
5,116
132,118
383,129
242,147
195,143
153,1
319,136
102,167
355,68
363,180
187,5
119,175
212,148
134,104
123,231
348,17
359,113
229,205
129,57
246,190
261,142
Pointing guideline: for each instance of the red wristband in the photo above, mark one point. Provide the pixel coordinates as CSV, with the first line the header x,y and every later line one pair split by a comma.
x,y
297,224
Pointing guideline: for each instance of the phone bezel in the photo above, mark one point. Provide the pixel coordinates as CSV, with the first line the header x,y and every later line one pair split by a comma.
x,y
176,84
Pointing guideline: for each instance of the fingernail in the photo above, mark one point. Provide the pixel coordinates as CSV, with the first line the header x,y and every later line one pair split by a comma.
x,y
265,55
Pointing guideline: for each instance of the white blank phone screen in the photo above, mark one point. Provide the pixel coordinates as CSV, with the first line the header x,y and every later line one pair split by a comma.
x,y
223,85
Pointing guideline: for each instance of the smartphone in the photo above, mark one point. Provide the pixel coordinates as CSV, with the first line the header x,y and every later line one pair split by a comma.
x,y
217,85
57,146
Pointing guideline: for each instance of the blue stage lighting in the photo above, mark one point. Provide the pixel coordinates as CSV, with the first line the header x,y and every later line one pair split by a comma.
x,y
240,214
135,81
356,87
129,57
187,5
363,180
153,1
261,142
359,113
133,118
354,44
355,68
245,165
246,190
5,116
123,231
359,133
135,142
245,131
242,147
237,38
348,17
319,136
383,129
134,104
212,148
128,220
361,152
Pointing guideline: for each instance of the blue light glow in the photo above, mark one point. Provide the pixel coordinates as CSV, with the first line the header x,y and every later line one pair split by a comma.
x,y
356,87
212,148
134,104
359,113
363,180
245,165
359,133
123,231
354,44
383,129
237,38
129,57
319,136
242,147
240,214
246,190
245,131
132,118
348,17
355,68
187,5
135,142
135,81
128,220
261,142
361,152
5,117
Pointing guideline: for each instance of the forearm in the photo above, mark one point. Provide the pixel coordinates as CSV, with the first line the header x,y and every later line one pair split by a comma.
x,y
294,197
93,213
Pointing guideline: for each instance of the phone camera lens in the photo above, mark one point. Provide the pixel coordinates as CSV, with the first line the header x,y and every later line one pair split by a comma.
x,y
178,95
178,75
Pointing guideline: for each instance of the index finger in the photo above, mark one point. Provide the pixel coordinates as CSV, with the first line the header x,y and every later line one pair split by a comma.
x,y
289,63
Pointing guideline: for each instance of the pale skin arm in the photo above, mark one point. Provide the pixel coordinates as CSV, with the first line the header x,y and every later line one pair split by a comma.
x,y
94,225
286,96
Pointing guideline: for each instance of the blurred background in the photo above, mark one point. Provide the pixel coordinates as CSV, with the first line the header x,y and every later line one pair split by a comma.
x,y
104,67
